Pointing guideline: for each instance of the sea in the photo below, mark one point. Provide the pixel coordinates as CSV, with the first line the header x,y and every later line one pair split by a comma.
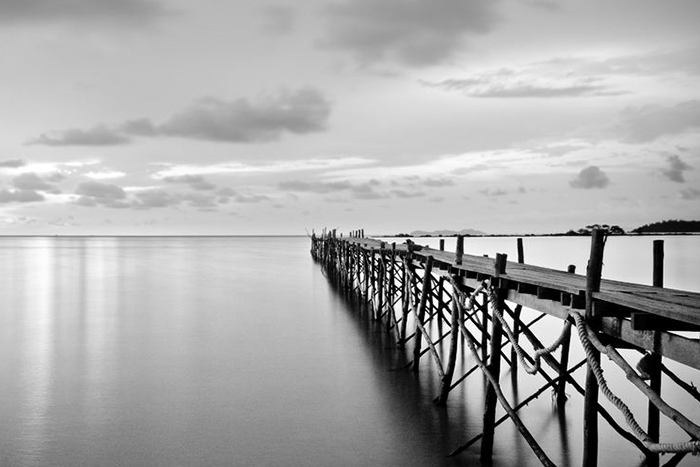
x,y
237,351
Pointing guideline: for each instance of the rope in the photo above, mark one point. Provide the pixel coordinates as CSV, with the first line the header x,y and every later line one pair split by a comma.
x,y
530,369
688,446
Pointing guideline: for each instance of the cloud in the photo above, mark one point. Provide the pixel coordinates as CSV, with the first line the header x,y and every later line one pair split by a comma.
x,y
273,167
407,194
690,194
675,169
105,175
300,112
98,135
196,182
86,12
278,19
365,190
528,82
303,111
590,177
315,187
155,199
645,124
12,164
414,33
32,182
20,196
98,193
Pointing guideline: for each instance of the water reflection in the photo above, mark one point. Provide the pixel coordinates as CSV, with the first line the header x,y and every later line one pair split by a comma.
x,y
37,351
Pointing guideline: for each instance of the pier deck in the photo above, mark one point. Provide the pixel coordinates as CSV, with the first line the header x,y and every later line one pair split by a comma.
x,y
415,291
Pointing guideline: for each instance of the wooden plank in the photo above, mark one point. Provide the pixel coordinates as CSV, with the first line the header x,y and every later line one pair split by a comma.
x,y
689,314
673,346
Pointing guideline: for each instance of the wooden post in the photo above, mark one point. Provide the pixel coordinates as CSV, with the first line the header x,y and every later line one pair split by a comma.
x,y
380,283
425,292
452,356
391,288
516,317
459,253
655,358
491,400
406,284
590,403
442,244
564,362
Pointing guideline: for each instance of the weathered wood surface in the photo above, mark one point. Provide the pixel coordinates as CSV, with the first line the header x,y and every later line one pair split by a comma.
x,y
555,292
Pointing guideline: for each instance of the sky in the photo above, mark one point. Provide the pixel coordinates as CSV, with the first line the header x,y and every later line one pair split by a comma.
x,y
223,117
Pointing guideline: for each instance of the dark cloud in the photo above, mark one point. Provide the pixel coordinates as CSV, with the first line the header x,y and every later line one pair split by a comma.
x,y
414,33
364,190
645,124
139,127
85,12
302,111
32,182
590,177
12,164
20,196
675,169
96,136
104,194
690,194
196,182
155,199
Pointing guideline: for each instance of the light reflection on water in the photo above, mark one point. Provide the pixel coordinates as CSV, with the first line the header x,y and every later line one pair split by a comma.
x,y
223,351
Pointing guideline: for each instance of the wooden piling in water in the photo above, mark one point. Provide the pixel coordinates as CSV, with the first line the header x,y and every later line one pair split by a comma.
x,y
494,368
654,358
590,404
420,314
564,359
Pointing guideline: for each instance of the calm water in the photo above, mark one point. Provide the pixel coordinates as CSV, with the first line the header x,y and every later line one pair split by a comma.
x,y
235,351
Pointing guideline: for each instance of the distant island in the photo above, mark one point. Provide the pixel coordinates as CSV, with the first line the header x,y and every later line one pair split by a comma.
x,y
671,226
663,227
444,233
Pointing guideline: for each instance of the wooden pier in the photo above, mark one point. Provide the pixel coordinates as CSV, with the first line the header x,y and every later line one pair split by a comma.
x,y
436,301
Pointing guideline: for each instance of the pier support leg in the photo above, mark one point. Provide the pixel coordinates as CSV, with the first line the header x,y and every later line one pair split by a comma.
x,y
655,358
590,403
420,316
491,401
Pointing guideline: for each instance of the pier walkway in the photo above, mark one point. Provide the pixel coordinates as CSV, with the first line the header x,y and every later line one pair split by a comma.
x,y
447,299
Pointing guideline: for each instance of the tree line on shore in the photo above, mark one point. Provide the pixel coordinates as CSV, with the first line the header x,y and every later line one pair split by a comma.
x,y
674,226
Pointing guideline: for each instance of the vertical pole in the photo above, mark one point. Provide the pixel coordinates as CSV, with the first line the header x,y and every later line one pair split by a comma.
x,y
655,358
380,283
459,253
564,362
405,296
391,288
494,368
425,292
590,403
516,316
452,356
442,244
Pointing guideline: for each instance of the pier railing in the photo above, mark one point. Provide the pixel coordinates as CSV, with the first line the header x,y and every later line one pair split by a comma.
x,y
433,301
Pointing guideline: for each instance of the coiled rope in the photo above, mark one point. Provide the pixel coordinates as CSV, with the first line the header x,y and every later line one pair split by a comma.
x,y
586,337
